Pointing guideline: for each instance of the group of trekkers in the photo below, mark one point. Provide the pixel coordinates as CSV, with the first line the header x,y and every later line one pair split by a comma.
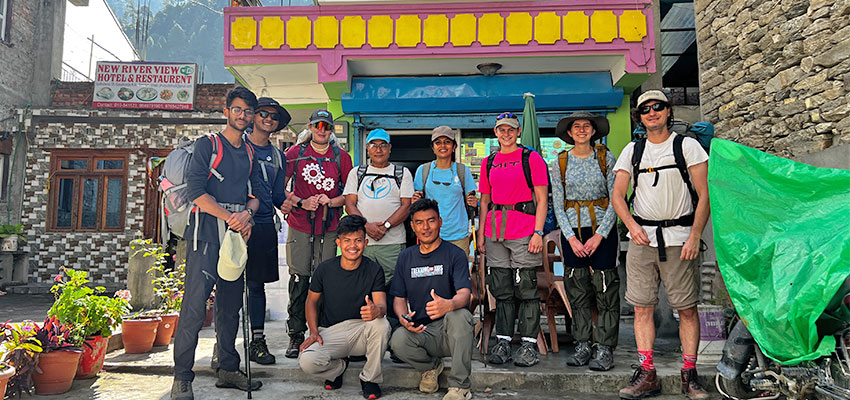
x,y
379,295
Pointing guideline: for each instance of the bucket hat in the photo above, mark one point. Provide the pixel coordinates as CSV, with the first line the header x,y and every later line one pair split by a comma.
x,y
600,125
232,256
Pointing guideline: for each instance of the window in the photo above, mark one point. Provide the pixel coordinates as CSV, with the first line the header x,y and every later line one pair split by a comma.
x,y
5,16
4,175
87,191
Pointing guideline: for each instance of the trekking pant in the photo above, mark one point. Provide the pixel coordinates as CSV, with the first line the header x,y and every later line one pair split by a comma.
x,y
386,256
450,336
353,337
604,287
512,287
301,267
201,275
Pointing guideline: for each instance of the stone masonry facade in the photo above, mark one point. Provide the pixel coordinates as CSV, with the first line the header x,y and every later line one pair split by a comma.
x,y
104,255
775,74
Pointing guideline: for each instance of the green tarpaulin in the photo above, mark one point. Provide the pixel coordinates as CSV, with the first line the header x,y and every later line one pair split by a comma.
x,y
782,235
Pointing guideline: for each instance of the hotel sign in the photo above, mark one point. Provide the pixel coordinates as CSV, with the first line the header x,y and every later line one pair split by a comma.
x,y
145,85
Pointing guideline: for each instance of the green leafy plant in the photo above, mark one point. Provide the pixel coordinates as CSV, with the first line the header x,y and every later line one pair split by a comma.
x,y
85,310
19,348
168,282
7,230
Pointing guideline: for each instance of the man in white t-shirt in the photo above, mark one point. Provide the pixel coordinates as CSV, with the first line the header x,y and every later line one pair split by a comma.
x,y
380,192
670,211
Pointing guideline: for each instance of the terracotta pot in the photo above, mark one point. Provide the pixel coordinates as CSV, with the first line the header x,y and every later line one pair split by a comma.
x,y
57,368
210,316
5,375
138,334
165,329
94,351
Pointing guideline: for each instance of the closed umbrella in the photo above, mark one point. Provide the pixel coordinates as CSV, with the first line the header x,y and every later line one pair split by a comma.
x,y
530,135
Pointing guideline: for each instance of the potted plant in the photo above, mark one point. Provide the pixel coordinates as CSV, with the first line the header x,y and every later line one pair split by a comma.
x,y
58,360
168,287
6,372
138,332
19,349
90,315
12,236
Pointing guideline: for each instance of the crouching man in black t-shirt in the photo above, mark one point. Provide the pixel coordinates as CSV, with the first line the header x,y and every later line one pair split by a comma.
x,y
351,321
433,278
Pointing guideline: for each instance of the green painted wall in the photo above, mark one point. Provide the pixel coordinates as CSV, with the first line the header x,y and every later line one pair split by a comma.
x,y
621,127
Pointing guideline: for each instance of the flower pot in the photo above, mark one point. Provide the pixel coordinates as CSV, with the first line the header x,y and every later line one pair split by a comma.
x,y
56,370
210,316
5,375
94,351
166,327
138,334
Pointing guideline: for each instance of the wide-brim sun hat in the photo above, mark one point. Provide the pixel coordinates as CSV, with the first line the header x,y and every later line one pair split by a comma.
x,y
600,125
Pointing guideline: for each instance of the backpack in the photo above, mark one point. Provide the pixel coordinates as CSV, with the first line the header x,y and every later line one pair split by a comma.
x,y
336,159
398,175
527,207
176,206
276,163
526,167
601,158
461,174
702,131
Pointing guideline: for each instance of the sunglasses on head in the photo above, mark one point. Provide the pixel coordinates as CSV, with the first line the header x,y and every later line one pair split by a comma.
x,y
656,107
322,126
505,115
268,114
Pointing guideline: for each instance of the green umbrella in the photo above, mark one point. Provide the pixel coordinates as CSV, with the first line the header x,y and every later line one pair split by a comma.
x,y
530,135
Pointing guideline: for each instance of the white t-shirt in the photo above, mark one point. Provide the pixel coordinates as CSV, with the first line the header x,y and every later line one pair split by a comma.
x,y
380,200
669,199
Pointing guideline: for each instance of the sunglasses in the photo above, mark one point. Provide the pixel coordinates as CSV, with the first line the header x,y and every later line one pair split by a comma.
x,y
268,114
505,115
657,107
322,126
236,110
441,183
382,146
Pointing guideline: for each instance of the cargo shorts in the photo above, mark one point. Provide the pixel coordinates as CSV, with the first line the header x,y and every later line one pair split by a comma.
x,y
644,271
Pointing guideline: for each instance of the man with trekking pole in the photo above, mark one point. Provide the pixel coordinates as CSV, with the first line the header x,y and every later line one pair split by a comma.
x,y
318,170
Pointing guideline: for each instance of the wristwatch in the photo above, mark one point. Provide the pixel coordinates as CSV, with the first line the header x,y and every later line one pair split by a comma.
x,y
250,212
300,203
539,233
387,224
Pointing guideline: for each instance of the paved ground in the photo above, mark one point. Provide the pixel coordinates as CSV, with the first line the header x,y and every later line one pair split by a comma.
x,y
19,307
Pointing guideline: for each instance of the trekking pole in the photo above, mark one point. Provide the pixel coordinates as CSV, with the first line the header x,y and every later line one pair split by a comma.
x,y
324,229
312,240
246,328
476,266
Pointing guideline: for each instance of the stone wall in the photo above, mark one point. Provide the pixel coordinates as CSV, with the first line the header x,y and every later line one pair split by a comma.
x,y
104,255
775,74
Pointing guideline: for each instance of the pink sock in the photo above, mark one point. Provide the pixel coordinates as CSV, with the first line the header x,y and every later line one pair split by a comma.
x,y
645,357
690,361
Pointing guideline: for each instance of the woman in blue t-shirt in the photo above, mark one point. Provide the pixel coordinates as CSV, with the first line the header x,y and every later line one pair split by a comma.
x,y
449,183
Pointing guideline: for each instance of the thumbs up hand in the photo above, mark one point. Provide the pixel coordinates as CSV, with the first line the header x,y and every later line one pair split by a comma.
x,y
438,306
287,205
370,311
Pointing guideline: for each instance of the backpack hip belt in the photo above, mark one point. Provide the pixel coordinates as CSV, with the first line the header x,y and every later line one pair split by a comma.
x,y
232,207
525,207
685,220
591,209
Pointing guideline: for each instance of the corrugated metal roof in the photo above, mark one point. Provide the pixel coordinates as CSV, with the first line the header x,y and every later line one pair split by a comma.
x,y
680,16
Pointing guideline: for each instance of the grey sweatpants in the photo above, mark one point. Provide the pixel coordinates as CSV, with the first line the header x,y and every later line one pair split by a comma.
x,y
353,337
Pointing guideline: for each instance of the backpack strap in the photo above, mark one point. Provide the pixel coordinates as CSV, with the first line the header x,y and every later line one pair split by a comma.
x,y
426,170
361,173
490,159
563,158
602,158
637,154
681,164
215,157
526,168
338,161
461,175
398,171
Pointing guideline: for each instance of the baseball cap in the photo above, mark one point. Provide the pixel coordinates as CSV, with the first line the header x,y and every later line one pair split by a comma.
x,y
443,130
378,134
652,95
232,256
322,115
507,118
270,102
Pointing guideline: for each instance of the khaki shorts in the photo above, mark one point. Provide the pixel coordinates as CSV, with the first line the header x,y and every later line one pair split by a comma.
x,y
643,271
512,253
462,243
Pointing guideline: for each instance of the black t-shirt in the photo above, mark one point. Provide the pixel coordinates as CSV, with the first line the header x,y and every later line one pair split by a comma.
x,y
344,292
446,270
269,192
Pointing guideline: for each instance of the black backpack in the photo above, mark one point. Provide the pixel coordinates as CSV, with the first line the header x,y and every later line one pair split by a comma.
x,y
398,175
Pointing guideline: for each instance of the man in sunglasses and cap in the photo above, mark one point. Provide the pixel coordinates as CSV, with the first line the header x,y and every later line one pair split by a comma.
x,y
318,170
670,190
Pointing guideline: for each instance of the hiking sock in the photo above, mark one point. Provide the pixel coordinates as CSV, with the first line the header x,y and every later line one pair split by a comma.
x,y
257,334
529,339
690,361
645,357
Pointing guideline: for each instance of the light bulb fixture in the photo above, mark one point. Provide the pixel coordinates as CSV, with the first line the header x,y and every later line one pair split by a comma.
x,y
489,69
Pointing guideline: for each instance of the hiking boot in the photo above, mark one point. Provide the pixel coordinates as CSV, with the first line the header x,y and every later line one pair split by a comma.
x,y
295,341
371,390
581,356
526,355
259,352
428,383
691,386
235,380
604,359
643,383
501,352
214,364
337,382
458,394
182,390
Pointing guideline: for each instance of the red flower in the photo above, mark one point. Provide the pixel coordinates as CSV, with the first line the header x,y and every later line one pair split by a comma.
x,y
58,278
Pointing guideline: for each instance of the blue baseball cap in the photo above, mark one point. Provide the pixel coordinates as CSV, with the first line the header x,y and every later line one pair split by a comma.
x,y
378,134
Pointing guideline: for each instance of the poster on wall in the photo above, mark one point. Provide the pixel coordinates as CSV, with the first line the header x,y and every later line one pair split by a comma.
x,y
145,85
